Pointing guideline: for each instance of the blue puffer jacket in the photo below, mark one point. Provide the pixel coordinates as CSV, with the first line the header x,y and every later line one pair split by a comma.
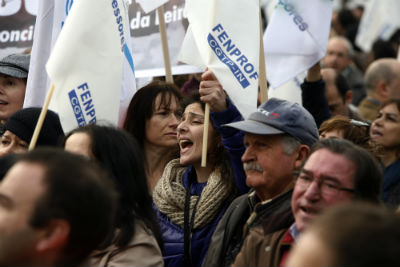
x,y
172,234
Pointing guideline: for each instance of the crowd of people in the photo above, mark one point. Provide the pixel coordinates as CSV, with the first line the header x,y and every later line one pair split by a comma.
x,y
316,184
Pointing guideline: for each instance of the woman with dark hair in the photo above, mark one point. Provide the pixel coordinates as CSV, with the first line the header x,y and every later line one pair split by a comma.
x,y
385,133
152,118
136,240
189,200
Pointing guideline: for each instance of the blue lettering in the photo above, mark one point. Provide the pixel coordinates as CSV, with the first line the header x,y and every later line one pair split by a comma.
x,y
218,28
76,108
88,105
91,113
228,62
227,44
235,52
83,87
114,4
297,19
119,21
85,96
242,59
248,68
222,37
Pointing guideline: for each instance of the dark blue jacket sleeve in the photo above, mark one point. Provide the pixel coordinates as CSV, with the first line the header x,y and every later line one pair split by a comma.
x,y
314,100
232,140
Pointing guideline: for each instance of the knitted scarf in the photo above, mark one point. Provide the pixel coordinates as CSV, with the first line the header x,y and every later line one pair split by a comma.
x,y
169,196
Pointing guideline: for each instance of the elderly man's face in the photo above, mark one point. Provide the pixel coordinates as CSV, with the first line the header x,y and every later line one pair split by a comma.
x,y
337,55
268,168
325,180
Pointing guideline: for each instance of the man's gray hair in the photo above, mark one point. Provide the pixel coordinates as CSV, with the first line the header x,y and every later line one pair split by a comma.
x,y
380,70
347,43
289,144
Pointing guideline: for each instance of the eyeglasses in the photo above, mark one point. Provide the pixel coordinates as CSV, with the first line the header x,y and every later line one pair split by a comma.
x,y
327,186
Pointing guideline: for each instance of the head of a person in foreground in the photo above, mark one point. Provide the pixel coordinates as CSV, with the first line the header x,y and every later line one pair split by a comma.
x,y
336,171
56,207
356,234
119,153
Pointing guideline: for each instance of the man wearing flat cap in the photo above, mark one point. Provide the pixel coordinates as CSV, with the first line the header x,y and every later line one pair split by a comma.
x,y
277,138
13,76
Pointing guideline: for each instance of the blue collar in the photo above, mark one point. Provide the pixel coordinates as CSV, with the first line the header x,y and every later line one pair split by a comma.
x,y
294,232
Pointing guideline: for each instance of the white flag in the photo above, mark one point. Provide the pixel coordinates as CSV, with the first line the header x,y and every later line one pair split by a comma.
x,y
224,36
85,65
150,5
296,38
49,23
38,82
380,20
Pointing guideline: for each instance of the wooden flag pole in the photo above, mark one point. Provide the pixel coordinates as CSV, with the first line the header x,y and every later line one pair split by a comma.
x,y
164,42
42,116
205,135
207,107
262,80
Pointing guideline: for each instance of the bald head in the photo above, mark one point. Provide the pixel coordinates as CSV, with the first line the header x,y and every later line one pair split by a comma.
x,y
338,54
383,77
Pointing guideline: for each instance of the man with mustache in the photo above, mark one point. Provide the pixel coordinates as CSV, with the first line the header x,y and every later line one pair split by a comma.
x,y
277,138
337,171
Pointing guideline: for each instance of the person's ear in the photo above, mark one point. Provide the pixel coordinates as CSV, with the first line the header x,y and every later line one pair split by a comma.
x,y
348,97
55,235
383,90
301,155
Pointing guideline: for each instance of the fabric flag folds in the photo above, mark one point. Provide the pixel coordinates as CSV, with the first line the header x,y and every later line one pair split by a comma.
x,y
224,36
51,17
150,5
44,37
85,65
296,38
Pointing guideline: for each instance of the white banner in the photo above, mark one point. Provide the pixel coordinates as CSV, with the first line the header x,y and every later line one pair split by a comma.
x,y
380,20
18,26
296,38
86,65
150,5
224,36
50,20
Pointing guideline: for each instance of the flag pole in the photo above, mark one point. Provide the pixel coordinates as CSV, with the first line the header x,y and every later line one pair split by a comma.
x,y
207,110
164,42
262,80
205,135
42,116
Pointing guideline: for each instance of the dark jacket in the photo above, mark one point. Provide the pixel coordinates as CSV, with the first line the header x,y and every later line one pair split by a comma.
x,y
314,100
172,234
260,249
243,214
391,184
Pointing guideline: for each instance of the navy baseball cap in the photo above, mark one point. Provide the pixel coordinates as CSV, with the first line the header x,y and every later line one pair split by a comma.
x,y
278,116
15,65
